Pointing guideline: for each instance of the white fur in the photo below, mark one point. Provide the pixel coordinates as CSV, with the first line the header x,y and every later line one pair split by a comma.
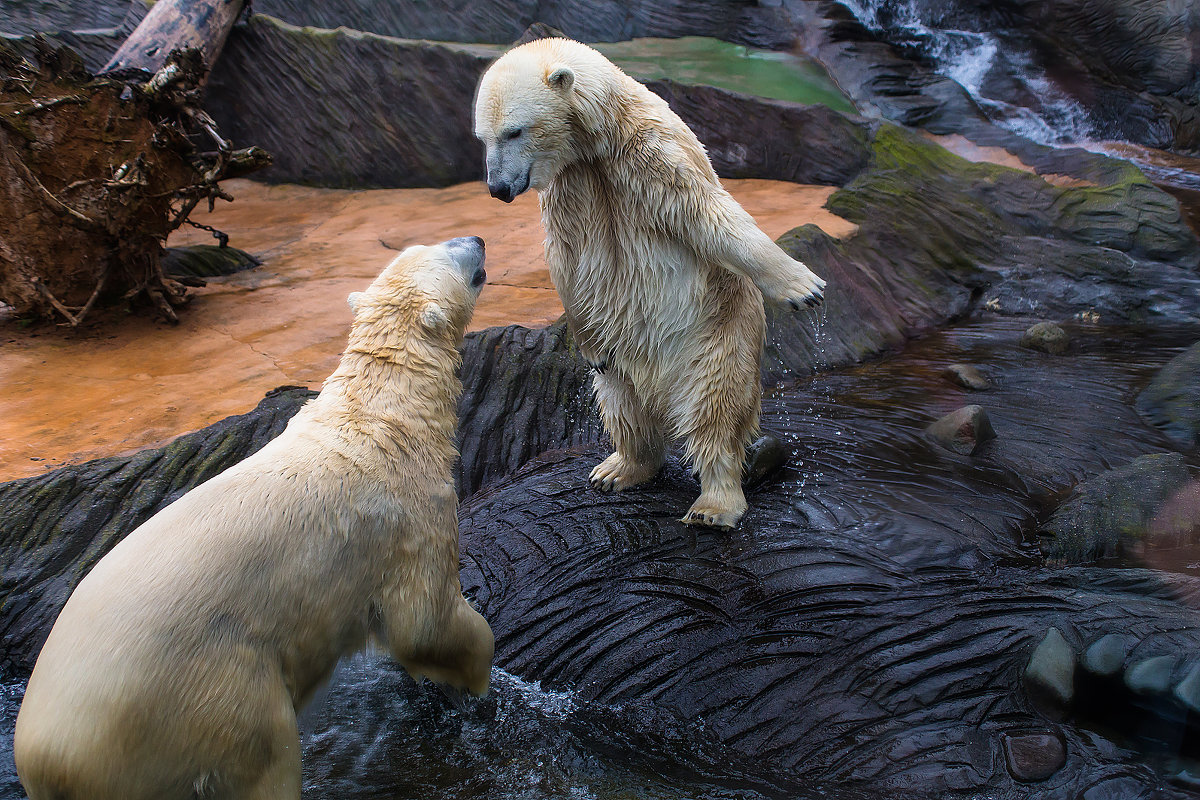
x,y
180,660
658,267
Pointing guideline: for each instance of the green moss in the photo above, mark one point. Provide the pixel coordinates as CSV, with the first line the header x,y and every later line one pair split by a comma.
x,y
711,62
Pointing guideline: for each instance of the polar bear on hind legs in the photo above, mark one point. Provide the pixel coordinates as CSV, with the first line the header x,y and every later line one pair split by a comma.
x,y
661,272
177,665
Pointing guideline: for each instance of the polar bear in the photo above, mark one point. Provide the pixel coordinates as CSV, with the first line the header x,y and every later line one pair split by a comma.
x,y
177,665
661,272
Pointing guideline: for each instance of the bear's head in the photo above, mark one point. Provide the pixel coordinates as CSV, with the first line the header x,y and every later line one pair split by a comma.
x,y
433,287
536,108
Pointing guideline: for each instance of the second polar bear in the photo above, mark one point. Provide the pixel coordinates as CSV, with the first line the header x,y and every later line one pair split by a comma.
x,y
661,272
177,665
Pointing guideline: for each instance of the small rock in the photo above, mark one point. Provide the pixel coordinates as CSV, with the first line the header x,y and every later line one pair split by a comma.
x,y
1051,669
967,377
1151,676
1033,756
963,431
764,456
1188,690
1106,655
1047,337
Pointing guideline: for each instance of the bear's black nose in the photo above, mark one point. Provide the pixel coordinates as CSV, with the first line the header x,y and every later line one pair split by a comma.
x,y
501,191
477,240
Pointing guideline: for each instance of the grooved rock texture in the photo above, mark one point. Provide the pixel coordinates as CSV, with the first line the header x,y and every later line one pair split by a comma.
x,y
502,21
372,117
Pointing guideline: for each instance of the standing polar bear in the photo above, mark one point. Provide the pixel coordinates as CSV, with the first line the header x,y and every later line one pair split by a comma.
x,y
177,665
661,272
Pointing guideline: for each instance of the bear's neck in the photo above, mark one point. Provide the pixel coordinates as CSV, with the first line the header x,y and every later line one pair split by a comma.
x,y
403,400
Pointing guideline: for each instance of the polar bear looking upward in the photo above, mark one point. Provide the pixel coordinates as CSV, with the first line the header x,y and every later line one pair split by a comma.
x,y
661,272
177,665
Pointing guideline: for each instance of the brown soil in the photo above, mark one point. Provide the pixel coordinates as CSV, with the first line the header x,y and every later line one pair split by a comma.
x,y
69,396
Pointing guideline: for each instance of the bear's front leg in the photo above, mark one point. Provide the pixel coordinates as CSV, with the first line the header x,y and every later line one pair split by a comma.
x,y
637,436
437,634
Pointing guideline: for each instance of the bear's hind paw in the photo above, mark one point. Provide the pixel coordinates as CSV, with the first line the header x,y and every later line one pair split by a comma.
x,y
713,517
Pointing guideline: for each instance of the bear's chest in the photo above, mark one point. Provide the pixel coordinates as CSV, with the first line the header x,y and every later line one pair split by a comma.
x,y
625,285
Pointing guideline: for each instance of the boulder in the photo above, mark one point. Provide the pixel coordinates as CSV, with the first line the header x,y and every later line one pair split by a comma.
x,y
1171,401
1122,512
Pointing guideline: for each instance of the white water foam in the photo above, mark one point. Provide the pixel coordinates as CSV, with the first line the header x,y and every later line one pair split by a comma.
x,y
967,57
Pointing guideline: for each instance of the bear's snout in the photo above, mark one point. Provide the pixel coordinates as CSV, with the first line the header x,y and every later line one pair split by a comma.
x,y
501,191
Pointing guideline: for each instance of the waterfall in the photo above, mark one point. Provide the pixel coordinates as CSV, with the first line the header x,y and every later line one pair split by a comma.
x,y
993,65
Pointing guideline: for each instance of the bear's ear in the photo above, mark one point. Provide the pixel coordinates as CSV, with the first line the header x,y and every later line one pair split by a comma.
x,y
433,317
353,300
561,77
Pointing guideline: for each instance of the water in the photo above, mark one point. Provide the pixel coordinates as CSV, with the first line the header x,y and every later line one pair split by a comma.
x,y
972,58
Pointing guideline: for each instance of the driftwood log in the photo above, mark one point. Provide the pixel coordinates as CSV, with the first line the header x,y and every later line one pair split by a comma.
x,y
97,170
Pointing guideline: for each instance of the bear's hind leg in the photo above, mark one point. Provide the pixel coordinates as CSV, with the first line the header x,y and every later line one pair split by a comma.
x,y
716,413
638,443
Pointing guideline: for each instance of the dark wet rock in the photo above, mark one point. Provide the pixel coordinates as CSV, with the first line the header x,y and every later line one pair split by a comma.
x,y
1151,675
963,431
1033,757
94,31
502,21
827,613
1051,669
765,456
882,71
752,137
49,16
939,236
1047,337
967,376
375,115
390,131
1172,400
1106,656
1121,512
410,130
202,261
1187,692
524,392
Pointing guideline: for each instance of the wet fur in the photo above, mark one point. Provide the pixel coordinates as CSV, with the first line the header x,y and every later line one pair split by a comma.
x,y
177,665
661,272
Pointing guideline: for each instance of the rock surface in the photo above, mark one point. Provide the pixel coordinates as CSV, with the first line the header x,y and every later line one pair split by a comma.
x,y
1171,402
832,594
1124,511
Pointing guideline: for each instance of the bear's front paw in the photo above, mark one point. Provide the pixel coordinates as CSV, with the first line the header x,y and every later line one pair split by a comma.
x,y
803,290
615,474
714,515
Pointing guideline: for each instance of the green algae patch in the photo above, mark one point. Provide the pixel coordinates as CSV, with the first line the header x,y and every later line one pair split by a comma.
x,y
703,61
711,62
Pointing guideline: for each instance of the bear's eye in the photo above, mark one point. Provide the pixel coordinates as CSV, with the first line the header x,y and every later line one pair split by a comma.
x,y
513,134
